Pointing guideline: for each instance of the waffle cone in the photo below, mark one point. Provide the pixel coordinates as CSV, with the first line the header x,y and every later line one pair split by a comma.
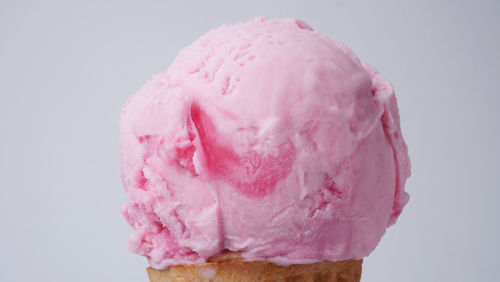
x,y
230,267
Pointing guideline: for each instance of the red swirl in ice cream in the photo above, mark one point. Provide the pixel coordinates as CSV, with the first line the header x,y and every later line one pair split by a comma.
x,y
266,138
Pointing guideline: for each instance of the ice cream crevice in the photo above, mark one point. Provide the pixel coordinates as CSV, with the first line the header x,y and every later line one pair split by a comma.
x,y
384,94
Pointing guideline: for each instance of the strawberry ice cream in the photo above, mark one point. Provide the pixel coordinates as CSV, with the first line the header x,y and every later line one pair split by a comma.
x,y
265,138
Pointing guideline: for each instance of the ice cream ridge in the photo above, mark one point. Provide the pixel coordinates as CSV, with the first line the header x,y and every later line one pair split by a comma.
x,y
265,140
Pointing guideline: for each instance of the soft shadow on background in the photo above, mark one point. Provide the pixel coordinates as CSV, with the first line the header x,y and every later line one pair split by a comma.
x,y
67,67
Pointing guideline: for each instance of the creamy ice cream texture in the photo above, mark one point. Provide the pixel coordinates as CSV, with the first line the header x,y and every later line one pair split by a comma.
x,y
267,138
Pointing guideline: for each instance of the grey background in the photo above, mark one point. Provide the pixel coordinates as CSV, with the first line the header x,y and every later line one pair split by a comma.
x,y
67,67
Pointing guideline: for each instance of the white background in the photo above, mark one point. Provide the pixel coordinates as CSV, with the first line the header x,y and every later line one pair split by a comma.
x,y
67,67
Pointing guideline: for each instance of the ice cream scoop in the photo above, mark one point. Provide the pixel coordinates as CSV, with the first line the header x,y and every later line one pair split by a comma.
x,y
264,138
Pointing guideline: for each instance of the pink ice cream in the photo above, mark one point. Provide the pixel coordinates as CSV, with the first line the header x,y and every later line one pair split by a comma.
x,y
266,138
